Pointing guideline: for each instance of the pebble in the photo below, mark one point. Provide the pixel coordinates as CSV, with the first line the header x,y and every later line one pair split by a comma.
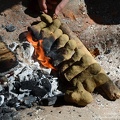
x,y
30,113
10,28
49,101
29,100
117,83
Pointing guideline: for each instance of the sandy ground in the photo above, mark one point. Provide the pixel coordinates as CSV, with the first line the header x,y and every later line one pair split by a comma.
x,y
97,26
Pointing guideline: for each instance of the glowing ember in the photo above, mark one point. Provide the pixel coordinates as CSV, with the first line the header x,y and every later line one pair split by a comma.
x,y
39,52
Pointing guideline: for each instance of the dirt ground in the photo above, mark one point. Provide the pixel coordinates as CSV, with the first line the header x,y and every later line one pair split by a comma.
x,y
96,23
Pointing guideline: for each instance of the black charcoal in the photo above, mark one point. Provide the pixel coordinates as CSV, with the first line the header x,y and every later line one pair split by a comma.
x,y
12,102
46,84
49,101
39,92
28,84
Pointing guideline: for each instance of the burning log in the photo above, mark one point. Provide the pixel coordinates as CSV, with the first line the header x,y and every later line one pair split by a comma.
x,y
7,59
73,62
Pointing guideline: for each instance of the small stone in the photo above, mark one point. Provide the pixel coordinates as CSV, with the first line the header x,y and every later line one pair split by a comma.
x,y
21,107
30,113
49,101
10,28
60,112
107,51
29,100
108,73
117,83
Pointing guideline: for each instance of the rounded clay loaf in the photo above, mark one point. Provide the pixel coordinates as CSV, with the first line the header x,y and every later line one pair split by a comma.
x,y
79,95
46,18
101,78
89,84
58,32
56,24
39,26
94,68
60,42
77,55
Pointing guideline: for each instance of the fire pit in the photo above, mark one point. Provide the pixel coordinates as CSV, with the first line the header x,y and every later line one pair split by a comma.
x,y
103,37
55,47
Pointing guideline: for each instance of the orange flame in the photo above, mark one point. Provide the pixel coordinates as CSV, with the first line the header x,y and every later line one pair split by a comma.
x,y
39,52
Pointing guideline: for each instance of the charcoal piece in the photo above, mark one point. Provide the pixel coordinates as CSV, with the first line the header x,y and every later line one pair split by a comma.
x,y
49,101
28,85
6,110
7,113
29,100
21,107
46,84
39,92
10,28
17,85
1,100
1,115
7,116
39,73
0,110
12,102
15,115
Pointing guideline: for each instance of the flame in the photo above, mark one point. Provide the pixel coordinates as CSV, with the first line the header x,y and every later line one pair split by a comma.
x,y
39,52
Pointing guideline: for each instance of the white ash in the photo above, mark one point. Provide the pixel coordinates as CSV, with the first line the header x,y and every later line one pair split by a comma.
x,y
13,46
1,88
1,99
29,82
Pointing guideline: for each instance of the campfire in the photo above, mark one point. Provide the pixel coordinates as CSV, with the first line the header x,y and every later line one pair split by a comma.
x,y
30,80
39,52
52,46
